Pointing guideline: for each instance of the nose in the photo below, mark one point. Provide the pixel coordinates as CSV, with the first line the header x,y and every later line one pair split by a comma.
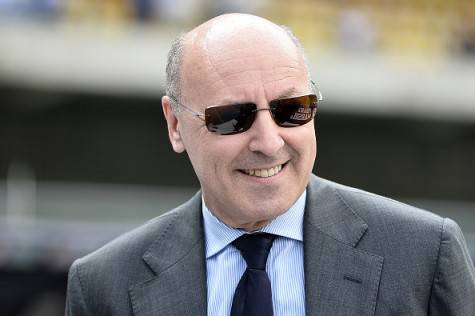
x,y
265,135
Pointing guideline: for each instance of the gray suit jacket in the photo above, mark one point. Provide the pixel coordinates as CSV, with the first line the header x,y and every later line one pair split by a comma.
x,y
364,255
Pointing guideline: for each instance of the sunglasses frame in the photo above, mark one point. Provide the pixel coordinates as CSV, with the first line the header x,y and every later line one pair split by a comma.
x,y
202,116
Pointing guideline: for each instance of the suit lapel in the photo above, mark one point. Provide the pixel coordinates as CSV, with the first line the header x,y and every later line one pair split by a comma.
x,y
177,259
339,278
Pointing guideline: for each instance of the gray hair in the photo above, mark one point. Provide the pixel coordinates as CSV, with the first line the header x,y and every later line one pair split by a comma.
x,y
173,70
175,59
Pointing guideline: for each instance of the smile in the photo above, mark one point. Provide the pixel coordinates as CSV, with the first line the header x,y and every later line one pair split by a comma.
x,y
263,173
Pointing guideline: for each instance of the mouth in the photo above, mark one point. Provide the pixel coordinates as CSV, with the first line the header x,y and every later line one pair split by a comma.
x,y
264,173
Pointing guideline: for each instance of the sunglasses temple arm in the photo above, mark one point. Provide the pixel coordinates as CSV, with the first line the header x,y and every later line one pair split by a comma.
x,y
193,112
319,93
200,116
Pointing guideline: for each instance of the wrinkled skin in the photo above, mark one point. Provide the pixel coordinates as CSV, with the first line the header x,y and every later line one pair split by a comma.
x,y
238,58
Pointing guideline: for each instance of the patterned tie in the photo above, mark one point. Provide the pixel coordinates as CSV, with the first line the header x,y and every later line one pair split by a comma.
x,y
253,296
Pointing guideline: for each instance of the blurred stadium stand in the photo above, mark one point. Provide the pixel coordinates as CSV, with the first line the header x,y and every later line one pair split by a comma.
x,y
84,154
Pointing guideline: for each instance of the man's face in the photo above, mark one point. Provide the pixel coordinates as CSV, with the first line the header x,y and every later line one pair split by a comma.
x,y
248,68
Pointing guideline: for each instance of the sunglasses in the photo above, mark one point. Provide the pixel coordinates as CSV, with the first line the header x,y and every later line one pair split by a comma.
x,y
238,118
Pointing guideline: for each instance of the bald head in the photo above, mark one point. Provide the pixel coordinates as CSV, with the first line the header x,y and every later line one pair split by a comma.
x,y
228,28
227,38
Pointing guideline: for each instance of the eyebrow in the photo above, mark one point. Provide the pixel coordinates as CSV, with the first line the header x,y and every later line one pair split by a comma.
x,y
289,93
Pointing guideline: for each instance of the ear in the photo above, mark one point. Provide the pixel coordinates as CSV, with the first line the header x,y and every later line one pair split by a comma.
x,y
173,126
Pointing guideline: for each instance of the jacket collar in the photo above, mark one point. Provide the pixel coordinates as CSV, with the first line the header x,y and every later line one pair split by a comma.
x,y
327,211
339,278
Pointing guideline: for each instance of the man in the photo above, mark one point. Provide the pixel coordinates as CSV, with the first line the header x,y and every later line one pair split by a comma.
x,y
265,236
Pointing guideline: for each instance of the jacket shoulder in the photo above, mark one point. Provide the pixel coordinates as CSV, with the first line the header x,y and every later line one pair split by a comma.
x,y
377,209
132,243
135,242
108,272
426,260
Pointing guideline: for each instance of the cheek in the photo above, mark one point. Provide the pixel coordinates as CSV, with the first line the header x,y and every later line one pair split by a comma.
x,y
195,146
225,150
303,142
312,144
213,156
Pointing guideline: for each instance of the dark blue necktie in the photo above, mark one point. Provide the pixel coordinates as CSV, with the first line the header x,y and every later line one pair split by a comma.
x,y
253,296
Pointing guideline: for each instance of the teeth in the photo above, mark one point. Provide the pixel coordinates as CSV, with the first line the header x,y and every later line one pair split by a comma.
x,y
264,173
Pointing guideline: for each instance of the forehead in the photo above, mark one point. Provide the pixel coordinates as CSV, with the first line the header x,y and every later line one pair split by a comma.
x,y
232,46
236,61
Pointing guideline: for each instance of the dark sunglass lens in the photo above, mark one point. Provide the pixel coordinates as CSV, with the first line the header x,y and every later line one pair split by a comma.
x,y
294,111
230,119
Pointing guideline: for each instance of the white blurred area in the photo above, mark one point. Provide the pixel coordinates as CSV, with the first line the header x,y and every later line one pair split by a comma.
x,y
419,55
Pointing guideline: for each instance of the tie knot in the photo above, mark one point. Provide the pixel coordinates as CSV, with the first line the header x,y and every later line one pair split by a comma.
x,y
255,248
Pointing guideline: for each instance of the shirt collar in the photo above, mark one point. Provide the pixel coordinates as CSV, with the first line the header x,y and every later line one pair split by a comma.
x,y
218,235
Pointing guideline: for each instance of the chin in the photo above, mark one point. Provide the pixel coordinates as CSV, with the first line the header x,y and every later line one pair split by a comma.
x,y
266,212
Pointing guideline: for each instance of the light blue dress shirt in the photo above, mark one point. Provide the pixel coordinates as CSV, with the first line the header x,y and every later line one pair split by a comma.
x,y
225,265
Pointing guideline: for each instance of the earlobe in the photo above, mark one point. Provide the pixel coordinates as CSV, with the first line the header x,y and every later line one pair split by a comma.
x,y
173,126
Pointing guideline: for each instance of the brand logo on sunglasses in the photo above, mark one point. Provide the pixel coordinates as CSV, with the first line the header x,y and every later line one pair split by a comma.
x,y
302,114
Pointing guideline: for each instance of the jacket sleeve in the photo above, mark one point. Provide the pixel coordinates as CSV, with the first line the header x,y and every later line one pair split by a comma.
x,y
75,303
453,288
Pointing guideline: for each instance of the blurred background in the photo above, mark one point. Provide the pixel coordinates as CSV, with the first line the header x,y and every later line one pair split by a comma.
x,y
84,154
